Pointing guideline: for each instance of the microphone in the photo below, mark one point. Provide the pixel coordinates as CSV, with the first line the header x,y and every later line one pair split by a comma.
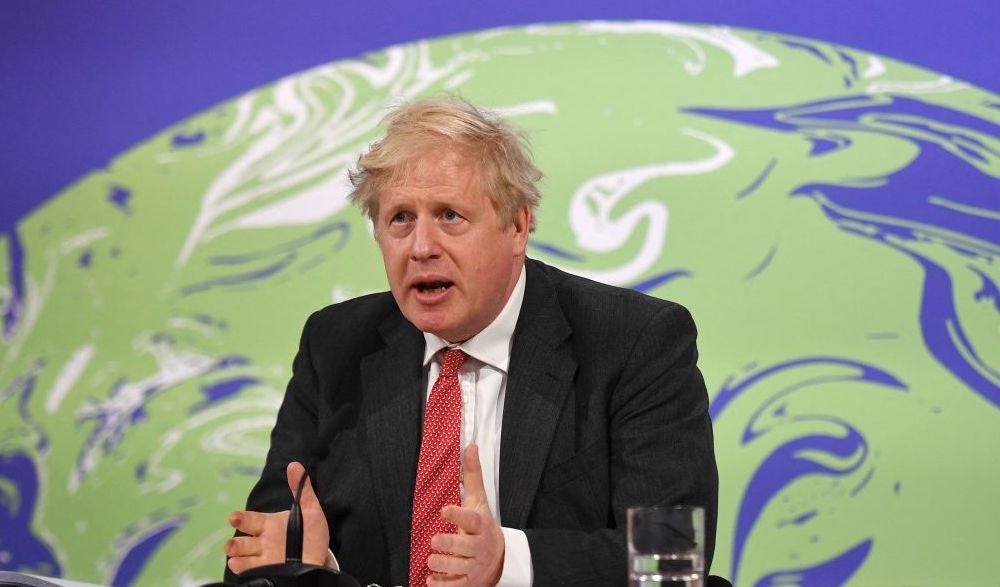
x,y
293,572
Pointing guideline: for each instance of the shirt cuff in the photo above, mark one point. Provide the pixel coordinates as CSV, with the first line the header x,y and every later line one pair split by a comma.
x,y
331,561
517,571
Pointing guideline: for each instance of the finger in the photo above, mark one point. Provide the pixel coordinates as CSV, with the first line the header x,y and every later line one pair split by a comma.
x,y
472,478
467,519
448,580
250,523
450,565
457,544
308,498
243,546
241,563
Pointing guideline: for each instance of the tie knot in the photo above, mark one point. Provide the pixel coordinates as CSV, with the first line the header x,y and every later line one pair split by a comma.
x,y
452,361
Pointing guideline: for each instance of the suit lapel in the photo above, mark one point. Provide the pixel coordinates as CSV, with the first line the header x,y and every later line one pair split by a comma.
x,y
391,379
538,383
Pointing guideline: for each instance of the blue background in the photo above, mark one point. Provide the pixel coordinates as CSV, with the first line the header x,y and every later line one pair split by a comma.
x,y
73,72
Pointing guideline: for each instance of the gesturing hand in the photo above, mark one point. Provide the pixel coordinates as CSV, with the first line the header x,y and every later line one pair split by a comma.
x,y
264,542
477,550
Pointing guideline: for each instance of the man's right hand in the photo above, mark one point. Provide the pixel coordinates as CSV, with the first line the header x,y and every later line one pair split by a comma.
x,y
264,543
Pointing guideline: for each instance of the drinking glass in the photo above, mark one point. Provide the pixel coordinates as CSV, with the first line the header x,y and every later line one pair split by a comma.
x,y
666,546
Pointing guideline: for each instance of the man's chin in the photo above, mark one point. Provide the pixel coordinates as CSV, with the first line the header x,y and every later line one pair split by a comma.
x,y
440,326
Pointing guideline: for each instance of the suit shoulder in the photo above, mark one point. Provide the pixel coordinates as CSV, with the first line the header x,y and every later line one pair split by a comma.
x,y
586,297
360,313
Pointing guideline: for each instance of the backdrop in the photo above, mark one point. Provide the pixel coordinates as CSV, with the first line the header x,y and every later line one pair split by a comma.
x,y
818,183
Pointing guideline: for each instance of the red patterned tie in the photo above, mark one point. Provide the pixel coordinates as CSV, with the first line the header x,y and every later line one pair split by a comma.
x,y
438,468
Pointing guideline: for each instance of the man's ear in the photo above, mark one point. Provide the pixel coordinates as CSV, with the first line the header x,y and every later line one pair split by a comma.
x,y
521,224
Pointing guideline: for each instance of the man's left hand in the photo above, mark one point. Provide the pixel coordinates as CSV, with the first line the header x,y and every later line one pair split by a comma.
x,y
477,550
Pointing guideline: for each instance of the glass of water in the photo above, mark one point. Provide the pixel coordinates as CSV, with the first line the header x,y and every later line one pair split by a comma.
x,y
666,546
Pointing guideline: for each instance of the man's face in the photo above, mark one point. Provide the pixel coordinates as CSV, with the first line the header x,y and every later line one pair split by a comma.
x,y
451,262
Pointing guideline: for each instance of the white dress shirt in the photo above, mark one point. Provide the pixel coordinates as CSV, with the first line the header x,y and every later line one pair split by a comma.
x,y
483,378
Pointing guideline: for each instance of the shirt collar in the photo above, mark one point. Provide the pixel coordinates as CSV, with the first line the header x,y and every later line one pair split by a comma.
x,y
492,344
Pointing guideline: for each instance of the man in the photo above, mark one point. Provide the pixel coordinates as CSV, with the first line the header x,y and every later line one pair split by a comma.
x,y
490,420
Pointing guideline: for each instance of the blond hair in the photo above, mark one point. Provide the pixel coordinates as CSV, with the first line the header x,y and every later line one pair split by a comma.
x,y
499,149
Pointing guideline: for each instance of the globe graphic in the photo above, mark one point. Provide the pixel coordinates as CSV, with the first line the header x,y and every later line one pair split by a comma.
x,y
829,216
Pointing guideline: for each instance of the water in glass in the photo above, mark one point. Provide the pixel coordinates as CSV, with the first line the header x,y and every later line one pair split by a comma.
x,y
657,570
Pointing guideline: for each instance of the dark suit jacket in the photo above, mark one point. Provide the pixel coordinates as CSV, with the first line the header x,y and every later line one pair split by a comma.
x,y
605,409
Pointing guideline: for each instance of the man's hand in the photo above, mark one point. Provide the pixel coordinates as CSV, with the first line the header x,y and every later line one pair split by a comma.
x,y
477,551
264,542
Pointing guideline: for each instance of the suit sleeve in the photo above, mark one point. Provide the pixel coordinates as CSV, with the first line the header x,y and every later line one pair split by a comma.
x,y
660,451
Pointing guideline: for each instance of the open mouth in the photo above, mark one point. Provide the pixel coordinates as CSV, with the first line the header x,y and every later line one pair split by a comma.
x,y
432,287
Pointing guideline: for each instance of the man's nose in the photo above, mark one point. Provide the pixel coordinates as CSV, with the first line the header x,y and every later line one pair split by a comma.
x,y
425,243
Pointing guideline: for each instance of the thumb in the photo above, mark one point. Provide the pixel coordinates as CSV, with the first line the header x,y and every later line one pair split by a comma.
x,y
472,478
294,472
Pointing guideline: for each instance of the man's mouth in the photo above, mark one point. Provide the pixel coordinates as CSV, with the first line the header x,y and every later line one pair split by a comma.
x,y
432,287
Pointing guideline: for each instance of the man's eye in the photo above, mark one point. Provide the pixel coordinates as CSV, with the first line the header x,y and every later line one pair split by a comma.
x,y
398,217
451,215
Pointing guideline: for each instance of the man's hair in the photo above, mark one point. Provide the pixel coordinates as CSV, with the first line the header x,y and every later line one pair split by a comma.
x,y
498,149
